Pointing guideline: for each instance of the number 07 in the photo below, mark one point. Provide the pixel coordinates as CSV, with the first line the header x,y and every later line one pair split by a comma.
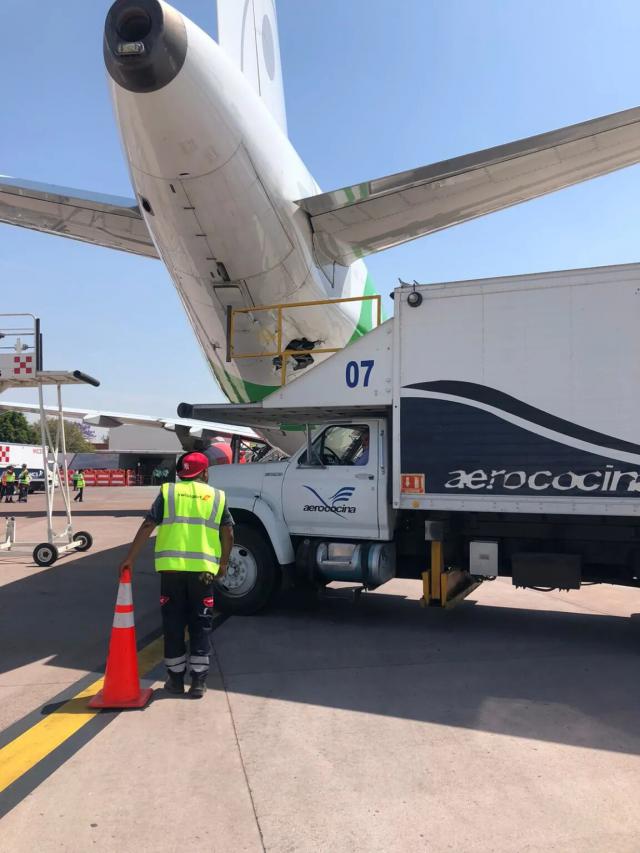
x,y
352,373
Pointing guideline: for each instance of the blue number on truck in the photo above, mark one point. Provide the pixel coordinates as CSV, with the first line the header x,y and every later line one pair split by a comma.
x,y
354,371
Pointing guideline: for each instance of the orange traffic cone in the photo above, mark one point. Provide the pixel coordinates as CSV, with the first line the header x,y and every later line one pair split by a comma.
x,y
121,681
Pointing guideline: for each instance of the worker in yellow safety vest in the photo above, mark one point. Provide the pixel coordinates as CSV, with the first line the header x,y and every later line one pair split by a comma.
x,y
194,541
80,484
10,484
3,485
24,480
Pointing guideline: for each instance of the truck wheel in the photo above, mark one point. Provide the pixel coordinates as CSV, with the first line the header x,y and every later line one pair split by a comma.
x,y
252,576
45,554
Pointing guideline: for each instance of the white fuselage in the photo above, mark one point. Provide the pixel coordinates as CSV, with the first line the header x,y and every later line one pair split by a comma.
x,y
221,179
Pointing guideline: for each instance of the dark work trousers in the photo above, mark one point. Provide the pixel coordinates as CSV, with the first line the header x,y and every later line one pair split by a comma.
x,y
78,497
23,492
186,602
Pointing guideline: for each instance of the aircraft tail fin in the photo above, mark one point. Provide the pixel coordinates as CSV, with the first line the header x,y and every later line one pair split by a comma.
x,y
248,33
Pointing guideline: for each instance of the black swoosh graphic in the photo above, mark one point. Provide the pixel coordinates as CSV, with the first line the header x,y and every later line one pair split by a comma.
x,y
322,501
500,400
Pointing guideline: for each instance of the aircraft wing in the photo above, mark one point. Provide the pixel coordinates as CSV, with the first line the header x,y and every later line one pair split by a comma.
x,y
108,221
355,221
194,428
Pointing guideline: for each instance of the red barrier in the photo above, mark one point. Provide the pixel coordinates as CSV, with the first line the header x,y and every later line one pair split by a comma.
x,y
98,477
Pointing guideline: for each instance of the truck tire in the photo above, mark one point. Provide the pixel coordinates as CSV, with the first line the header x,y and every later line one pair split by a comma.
x,y
253,575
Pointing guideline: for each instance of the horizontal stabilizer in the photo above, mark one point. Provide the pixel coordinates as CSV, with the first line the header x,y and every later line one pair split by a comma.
x,y
355,221
109,221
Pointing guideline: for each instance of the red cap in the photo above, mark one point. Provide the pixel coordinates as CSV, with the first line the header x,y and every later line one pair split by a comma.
x,y
192,464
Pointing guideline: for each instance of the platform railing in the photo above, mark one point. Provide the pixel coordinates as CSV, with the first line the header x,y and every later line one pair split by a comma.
x,y
280,308
20,344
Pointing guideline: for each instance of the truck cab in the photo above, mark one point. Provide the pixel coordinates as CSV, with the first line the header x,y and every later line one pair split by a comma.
x,y
331,498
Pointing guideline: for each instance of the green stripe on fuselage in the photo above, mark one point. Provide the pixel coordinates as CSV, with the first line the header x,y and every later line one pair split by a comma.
x,y
368,312
241,390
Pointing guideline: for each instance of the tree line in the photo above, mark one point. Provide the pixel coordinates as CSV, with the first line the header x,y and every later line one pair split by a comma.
x,y
16,429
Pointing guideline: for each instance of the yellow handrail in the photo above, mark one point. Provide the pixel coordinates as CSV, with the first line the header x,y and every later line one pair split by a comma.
x,y
280,307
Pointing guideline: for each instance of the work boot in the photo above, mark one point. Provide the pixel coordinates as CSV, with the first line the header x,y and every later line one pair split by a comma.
x,y
198,685
174,682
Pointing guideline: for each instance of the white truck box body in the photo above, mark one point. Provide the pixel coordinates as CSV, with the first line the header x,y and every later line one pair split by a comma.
x,y
520,394
21,454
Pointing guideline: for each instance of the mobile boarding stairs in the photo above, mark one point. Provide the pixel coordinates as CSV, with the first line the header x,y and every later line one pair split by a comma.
x,y
21,367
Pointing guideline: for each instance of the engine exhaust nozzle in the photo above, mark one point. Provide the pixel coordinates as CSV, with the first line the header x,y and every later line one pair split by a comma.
x,y
145,44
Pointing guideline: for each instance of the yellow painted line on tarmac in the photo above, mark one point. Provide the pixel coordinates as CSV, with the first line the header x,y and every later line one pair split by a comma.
x,y
29,748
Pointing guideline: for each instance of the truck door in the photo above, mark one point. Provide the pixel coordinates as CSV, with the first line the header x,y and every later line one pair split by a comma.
x,y
337,494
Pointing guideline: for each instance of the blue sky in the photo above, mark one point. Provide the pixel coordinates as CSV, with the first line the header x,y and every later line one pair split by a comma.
x,y
372,88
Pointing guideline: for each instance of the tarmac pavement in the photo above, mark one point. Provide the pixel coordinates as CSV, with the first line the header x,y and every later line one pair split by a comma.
x,y
507,724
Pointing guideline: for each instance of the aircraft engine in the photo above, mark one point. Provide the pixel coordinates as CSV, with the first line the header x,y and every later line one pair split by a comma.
x,y
145,44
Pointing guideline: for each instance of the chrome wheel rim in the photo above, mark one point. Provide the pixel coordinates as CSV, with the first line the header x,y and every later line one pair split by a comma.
x,y
242,572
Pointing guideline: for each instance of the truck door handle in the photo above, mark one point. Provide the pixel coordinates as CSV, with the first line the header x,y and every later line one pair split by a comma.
x,y
364,477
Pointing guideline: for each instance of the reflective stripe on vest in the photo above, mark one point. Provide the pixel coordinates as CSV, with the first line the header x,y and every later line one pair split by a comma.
x,y
25,477
11,478
188,538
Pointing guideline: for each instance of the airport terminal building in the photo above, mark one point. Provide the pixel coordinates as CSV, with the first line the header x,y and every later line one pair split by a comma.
x,y
142,450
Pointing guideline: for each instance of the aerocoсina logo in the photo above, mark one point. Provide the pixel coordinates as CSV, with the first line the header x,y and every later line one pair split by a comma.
x,y
337,504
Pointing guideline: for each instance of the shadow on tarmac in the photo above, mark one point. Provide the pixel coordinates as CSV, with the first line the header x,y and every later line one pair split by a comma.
x,y
65,612
540,674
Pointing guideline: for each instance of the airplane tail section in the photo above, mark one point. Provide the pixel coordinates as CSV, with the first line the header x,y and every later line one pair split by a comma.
x,y
248,33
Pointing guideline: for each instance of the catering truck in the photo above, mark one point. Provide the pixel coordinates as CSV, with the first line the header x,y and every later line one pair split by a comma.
x,y
18,455
489,428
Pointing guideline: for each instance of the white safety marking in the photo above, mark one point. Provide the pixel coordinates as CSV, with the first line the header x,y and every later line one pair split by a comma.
x,y
125,594
123,620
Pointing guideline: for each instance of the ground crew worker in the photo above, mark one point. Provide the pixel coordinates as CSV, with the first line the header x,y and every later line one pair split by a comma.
x,y
79,486
3,485
10,486
362,453
193,545
24,479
